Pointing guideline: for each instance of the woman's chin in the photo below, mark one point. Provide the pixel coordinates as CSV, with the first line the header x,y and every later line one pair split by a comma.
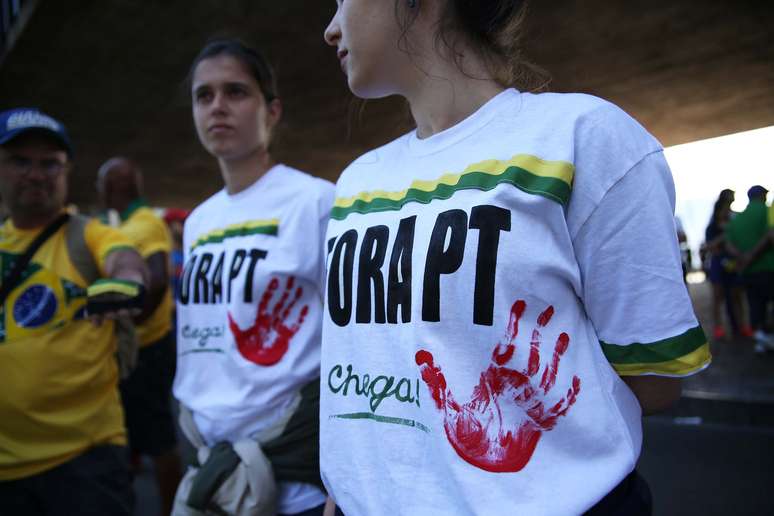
x,y
223,151
368,89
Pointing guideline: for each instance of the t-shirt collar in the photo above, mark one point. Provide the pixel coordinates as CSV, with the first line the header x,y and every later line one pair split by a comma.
x,y
133,207
257,185
478,119
9,228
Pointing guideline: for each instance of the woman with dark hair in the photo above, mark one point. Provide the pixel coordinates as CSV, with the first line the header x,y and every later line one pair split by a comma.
x,y
250,302
722,273
504,292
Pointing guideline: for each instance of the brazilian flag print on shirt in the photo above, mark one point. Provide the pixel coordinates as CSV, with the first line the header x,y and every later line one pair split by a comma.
x,y
58,375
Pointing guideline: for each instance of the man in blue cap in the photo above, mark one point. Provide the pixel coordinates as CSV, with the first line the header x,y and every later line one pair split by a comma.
x,y
62,437
743,235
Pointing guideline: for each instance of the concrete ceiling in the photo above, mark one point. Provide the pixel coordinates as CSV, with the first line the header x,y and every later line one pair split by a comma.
x,y
113,71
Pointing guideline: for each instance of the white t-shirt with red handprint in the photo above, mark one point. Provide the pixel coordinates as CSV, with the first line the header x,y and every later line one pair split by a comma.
x,y
485,289
249,309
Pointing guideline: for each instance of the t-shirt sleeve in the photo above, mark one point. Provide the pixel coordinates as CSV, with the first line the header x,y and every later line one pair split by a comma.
x,y
103,240
150,235
632,283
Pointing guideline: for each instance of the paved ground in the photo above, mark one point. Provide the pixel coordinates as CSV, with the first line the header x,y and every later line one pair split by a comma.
x,y
736,373
713,454
708,469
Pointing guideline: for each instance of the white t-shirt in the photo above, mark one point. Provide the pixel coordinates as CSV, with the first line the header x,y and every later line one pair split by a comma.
x,y
486,288
250,308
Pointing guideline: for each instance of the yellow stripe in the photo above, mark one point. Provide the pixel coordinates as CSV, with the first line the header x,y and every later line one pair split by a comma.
x,y
690,363
112,288
561,170
242,225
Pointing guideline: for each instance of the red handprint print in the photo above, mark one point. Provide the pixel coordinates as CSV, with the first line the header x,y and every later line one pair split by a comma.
x,y
499,428
266,341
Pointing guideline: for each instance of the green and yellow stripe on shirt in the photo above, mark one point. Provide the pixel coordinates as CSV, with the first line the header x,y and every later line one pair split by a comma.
x,y
250,227
675,356
550,179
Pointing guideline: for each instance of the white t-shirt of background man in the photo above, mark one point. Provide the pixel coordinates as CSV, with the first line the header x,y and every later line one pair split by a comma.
x,y
486,287
250,307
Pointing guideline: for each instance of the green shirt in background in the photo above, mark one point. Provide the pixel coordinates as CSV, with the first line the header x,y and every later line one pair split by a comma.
x,y
746,230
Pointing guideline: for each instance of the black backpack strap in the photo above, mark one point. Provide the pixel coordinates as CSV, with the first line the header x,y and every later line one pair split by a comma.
x,y
11,280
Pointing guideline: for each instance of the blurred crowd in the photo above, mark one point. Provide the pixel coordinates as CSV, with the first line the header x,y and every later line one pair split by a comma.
x,y
738,259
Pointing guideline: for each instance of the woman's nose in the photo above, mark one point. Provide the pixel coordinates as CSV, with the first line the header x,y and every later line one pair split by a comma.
x,y
332,33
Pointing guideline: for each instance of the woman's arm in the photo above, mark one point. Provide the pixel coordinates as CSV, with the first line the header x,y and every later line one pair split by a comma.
x,y
655,393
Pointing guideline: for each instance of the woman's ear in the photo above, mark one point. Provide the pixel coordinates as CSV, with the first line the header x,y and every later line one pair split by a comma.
x,y
274,112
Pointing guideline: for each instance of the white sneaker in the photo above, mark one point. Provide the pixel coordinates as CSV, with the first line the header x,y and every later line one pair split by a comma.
x,y
759,348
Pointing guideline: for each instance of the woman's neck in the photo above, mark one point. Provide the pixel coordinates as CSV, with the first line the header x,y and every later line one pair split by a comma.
x,y
239,174
443,96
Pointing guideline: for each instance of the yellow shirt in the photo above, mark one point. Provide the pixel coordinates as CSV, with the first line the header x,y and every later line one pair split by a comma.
x,y
150,235
58,373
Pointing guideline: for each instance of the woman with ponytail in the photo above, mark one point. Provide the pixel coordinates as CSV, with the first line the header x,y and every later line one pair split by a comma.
x,y
504,288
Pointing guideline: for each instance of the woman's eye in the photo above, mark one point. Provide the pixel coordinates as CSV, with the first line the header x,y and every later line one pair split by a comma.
x,y
203,96
236,92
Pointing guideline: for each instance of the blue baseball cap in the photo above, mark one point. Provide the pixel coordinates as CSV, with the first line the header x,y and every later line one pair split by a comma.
x,y
756,191
18,121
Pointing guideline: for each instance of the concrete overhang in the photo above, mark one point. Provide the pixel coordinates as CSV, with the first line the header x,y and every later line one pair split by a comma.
x,y
114,72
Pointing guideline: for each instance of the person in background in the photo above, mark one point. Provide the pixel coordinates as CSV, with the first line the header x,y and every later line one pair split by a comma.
x,y
146,393
175,219
723,271
249,313
764,244
744,233
504,297
62,435
685,249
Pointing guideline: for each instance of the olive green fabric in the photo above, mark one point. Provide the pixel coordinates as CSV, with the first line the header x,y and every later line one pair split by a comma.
x,y
295,454
220,464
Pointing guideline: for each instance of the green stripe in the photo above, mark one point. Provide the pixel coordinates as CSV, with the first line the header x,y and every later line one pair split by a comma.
x,y
119,247
384,419
549,187
236,232
133,207
113,286
655,352
213,350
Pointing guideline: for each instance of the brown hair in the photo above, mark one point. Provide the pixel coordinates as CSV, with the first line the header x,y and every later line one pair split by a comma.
x,y
493,28
256,64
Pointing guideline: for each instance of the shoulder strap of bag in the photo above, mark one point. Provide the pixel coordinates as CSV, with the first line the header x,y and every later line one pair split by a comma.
x,y
84,263
11,280
79,252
